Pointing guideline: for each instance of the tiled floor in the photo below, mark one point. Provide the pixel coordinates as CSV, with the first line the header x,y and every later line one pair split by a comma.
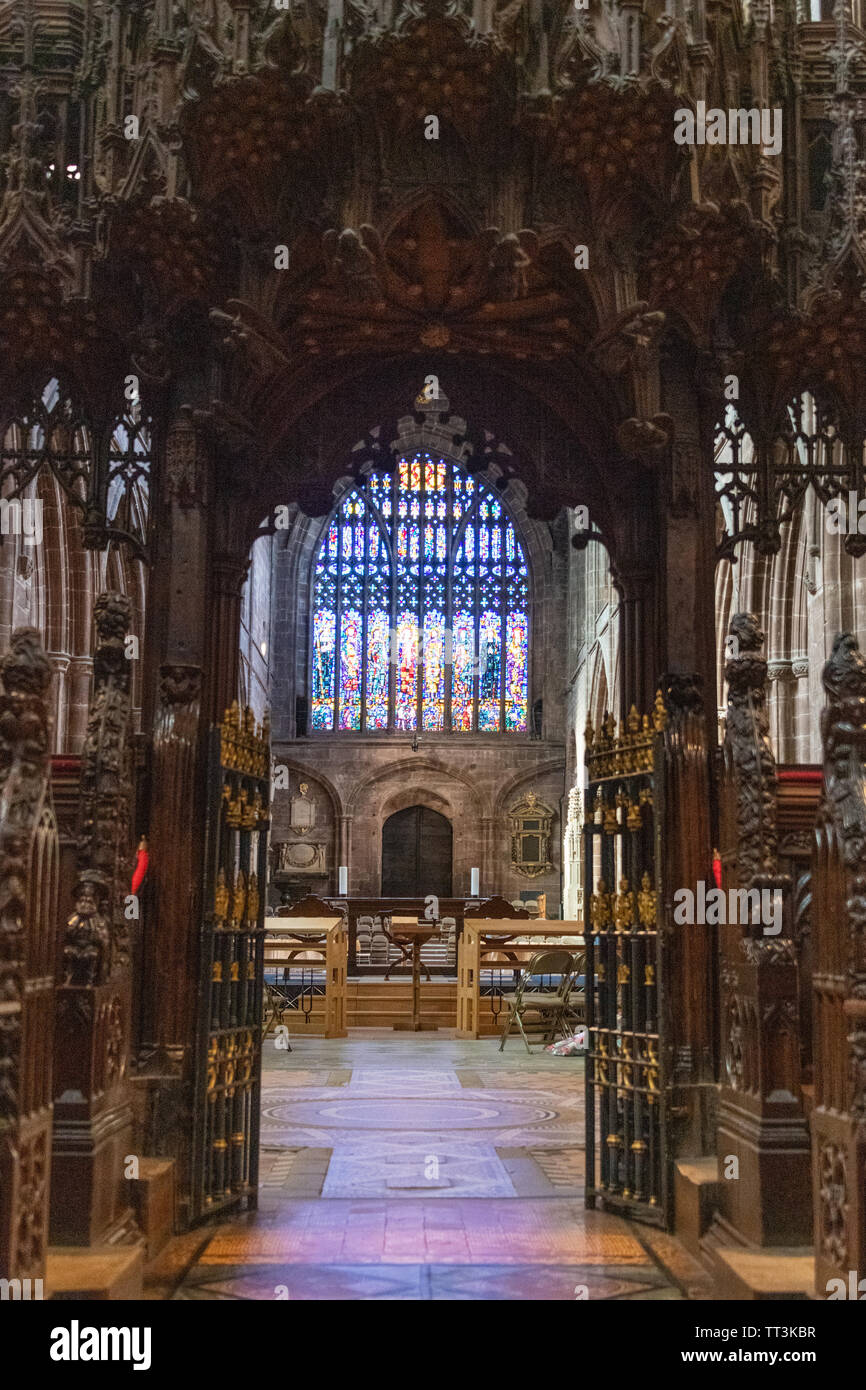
x,y
421,1166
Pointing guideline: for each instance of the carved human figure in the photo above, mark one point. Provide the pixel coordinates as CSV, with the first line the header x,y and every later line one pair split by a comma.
x,y
85,952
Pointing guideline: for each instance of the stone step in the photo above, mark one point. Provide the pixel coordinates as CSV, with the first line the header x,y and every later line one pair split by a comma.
x,y
153,1201
98,1274
384,1003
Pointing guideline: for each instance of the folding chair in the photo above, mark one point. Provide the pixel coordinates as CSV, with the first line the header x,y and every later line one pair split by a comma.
x,y
574,1013
549,1004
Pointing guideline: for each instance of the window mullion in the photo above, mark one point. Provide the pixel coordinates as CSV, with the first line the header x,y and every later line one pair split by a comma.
x,y
448,653
476,585
392,627
503,618
365,608
419,601
338,622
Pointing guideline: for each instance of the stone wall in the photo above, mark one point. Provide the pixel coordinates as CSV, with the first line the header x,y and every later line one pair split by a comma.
x,y
360,781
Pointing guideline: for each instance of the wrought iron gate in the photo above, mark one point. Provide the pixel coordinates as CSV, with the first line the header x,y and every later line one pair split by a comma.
x,y
228,1066
627,1168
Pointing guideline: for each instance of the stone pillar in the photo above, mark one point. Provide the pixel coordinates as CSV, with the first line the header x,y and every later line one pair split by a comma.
x,y
344,850
781,673
80,673
59,700
488,865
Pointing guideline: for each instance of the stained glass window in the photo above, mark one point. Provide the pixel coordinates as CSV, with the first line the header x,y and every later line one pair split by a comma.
x,y
421,607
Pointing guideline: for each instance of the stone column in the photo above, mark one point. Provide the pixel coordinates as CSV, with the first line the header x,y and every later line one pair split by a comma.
x,y
80,673
488,865
59,701
781,673
344,850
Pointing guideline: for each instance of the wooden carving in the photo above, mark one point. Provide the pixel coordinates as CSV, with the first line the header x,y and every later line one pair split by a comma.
x,y
25,673
761,1117
494,908
28,903
843,726
747,741
839,976
96,935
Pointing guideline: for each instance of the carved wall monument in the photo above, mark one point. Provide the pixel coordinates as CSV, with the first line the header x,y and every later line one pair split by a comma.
x,y
531,822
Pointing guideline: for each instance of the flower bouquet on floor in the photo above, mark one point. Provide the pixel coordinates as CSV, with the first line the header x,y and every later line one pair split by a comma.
x,y
571,1046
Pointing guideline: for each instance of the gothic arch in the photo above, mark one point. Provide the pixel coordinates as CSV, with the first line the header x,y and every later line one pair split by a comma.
x,y
416,795
321,779
413,766
510,788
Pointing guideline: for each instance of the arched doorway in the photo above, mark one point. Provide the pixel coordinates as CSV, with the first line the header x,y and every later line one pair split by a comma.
x,y
416,854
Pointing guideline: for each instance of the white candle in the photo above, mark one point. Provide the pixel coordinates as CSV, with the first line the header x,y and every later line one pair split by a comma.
x,y
474,890
344,880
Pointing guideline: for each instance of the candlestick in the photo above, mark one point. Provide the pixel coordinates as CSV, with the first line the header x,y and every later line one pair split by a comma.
x,y
344,880
475,889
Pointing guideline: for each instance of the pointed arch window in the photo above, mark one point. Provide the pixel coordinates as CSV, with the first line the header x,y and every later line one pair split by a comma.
x,y
421,607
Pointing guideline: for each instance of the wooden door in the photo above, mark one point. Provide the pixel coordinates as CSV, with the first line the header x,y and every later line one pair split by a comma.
x,y
416,854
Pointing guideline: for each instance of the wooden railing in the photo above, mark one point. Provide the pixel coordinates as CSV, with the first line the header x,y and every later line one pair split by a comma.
x,y
497,944
383,908
28,945
838,1119
310,937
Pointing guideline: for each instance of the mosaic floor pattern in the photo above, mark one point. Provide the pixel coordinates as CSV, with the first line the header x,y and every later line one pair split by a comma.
x,y
424,1167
